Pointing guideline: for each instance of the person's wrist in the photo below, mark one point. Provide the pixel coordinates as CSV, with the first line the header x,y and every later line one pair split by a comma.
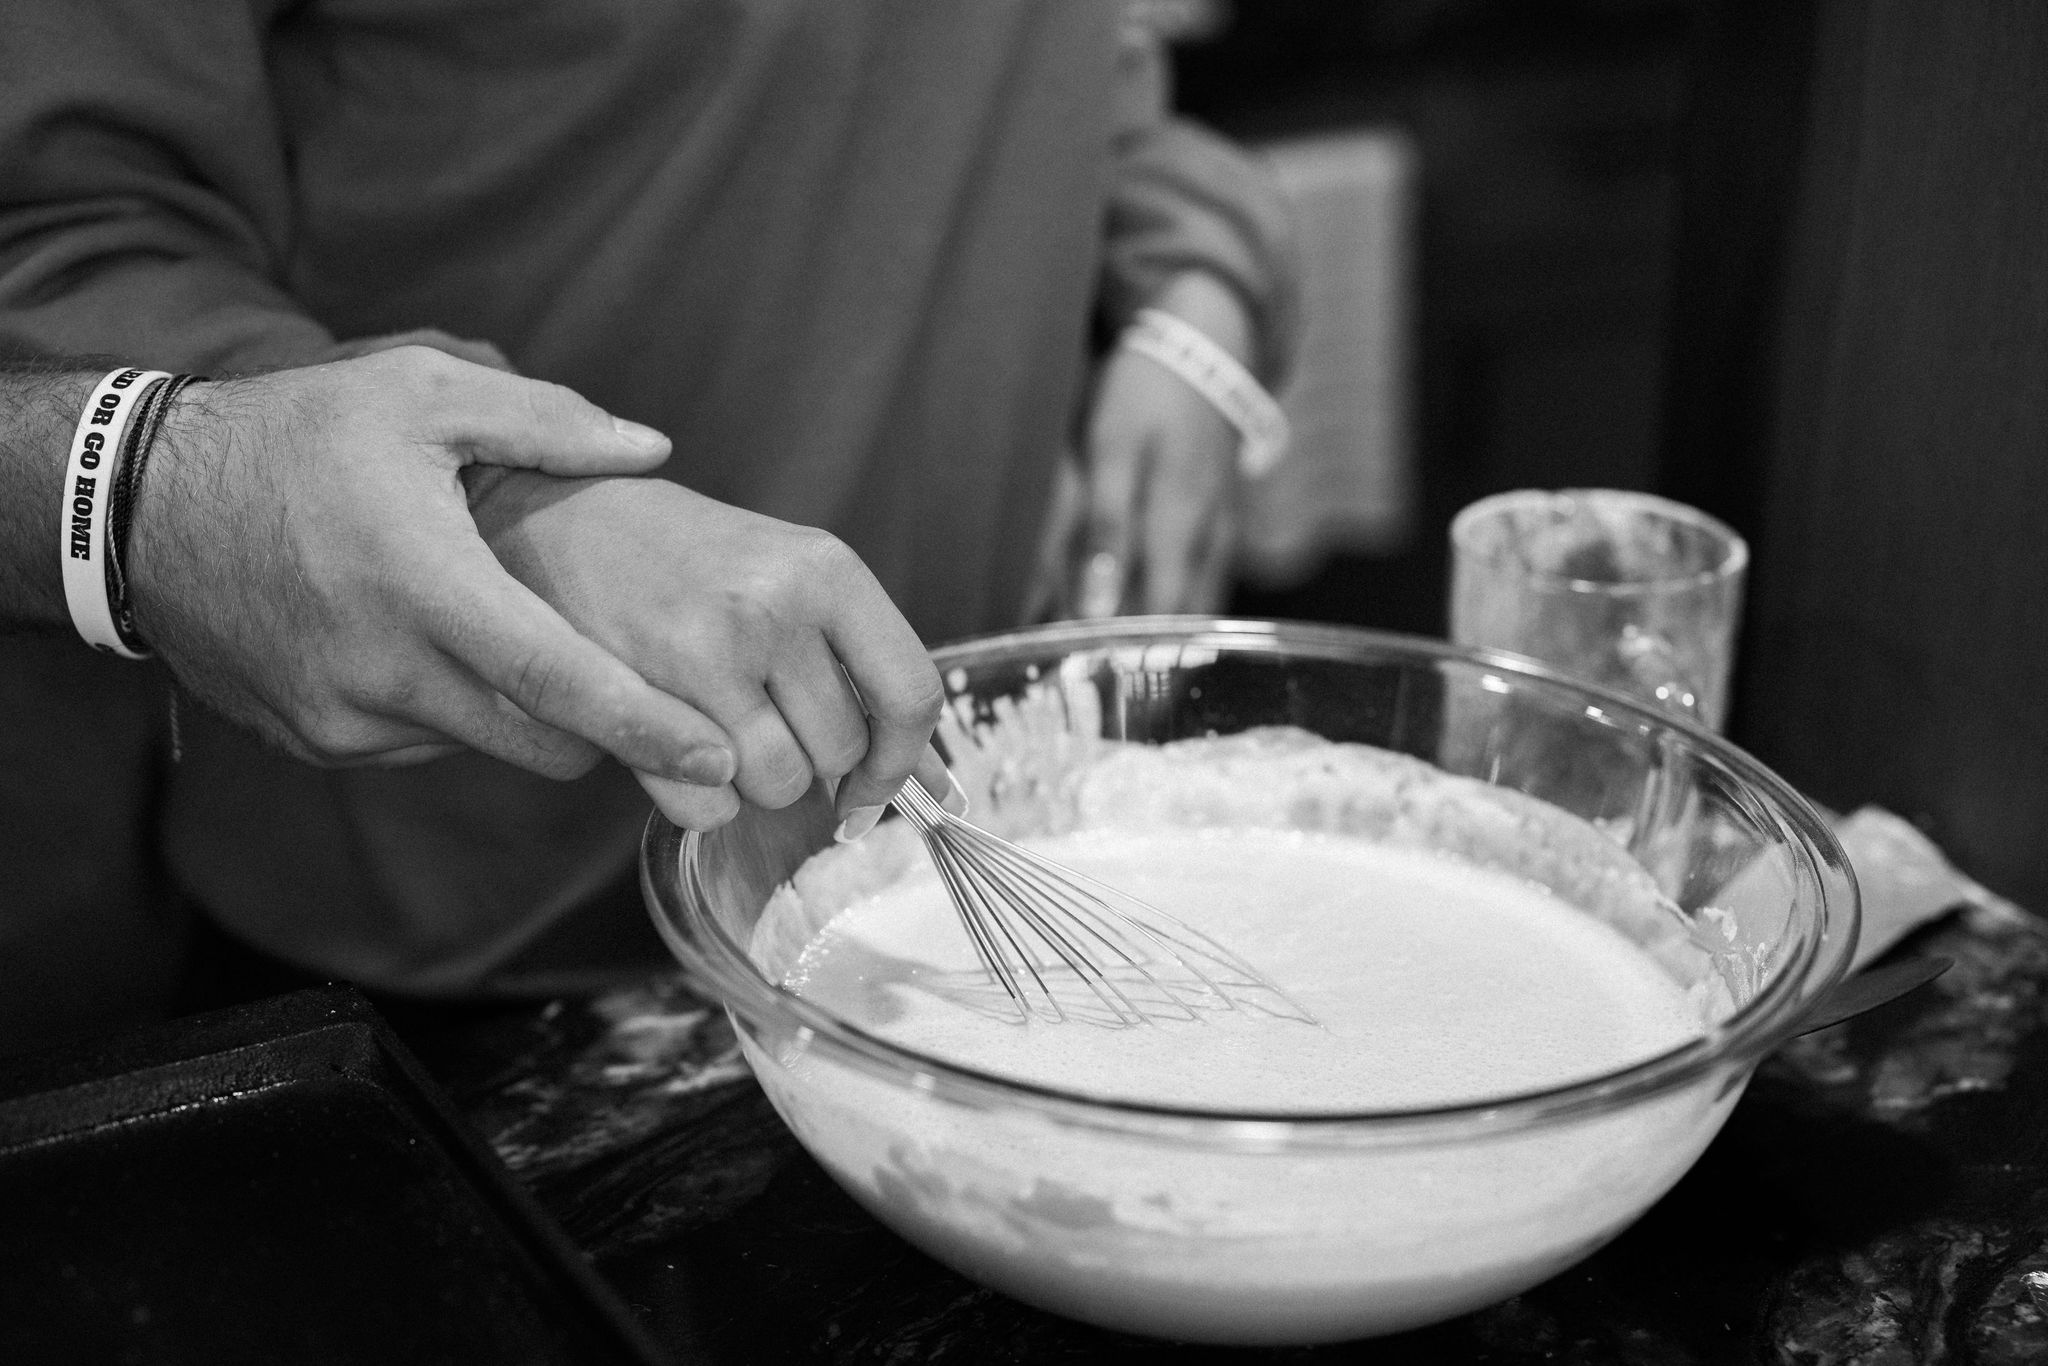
x,y
499,496
192,425
517,512
1204,301
1200,331
483,487
31,577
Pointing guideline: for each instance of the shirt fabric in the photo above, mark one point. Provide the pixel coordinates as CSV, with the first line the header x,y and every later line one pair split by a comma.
x,y
849,256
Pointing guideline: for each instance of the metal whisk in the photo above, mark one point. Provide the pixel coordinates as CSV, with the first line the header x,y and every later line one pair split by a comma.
x,y
1062,945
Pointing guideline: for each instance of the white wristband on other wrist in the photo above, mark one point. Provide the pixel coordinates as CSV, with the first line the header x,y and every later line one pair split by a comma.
x,y
1216,375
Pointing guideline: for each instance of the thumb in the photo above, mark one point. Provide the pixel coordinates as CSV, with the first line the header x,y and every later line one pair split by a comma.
x,y
493,418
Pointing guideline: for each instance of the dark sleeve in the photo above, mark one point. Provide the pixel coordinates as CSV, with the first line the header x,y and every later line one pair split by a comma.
x,y
144,201
1183,199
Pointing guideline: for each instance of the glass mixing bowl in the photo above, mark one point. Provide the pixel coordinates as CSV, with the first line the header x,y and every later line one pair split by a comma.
x,y
1248,1227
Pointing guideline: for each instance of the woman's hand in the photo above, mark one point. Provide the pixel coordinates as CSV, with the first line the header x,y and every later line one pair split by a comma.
x,y
777,634
1148,523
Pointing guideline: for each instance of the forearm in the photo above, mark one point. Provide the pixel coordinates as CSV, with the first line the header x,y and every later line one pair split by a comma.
x,y
143,212
39,407
1184,202
1210,304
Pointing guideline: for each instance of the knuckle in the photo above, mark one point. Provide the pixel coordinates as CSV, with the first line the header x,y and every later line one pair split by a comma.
x,y
277,732
820,549
424,374
426,364
426,358
779,779
777,588
392,688
841,755
752,615
539,683
373,678
721,807
334,705
697,808
928,700
819,559
571,765
920,702
554,754
338,739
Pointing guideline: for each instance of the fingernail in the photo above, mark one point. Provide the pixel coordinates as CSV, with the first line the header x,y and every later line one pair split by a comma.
x,y
955,800
706,766
646,438
858,822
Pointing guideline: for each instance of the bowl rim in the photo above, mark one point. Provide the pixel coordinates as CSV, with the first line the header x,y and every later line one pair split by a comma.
x,y
723,968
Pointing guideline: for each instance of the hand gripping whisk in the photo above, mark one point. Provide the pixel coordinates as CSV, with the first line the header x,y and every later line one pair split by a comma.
x,y
1062,945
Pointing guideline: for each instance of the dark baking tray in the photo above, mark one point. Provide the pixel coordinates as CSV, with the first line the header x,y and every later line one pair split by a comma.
x,y
277,1182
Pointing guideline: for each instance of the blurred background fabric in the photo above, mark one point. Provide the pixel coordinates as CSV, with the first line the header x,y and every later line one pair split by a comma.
x,y
1541,149
1781,259
1859,381
1347,484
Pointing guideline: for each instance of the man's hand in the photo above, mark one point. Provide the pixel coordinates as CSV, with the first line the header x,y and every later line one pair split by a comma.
x,y
1148,522
303,557
776,633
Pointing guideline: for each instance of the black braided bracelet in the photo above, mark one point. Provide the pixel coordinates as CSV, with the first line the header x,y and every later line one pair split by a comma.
x,y
140,439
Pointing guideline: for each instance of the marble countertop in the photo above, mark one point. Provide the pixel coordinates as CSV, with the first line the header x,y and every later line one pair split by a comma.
x,y
1880,1196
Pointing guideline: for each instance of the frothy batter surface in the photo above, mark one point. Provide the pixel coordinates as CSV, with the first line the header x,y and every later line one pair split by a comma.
x,y
1433,982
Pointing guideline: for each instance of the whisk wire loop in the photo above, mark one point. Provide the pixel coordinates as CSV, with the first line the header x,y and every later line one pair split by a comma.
x,y
979,929
1001,924
1041,930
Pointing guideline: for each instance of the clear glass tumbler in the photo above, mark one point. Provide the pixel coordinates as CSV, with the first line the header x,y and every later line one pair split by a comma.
x,y
1623,589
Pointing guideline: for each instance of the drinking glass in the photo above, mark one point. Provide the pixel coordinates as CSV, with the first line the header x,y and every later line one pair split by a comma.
x,y
1626,589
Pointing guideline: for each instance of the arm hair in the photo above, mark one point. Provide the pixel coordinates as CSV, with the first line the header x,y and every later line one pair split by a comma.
x,y
39,406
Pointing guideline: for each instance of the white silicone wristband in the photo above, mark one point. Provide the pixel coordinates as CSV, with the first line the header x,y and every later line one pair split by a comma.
x,y
1216,375
88,489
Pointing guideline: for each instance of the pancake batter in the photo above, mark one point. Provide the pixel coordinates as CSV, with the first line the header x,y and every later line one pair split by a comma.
x,y
1453,941
1432,982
